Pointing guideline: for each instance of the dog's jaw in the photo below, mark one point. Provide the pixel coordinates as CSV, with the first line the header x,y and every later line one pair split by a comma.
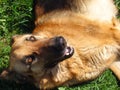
x,y
68,52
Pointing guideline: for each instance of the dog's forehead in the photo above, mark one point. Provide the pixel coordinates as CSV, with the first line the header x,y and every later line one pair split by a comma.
x,y
29,35
22,44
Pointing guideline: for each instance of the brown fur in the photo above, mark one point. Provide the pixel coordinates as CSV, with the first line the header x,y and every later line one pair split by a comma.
x,y
96,48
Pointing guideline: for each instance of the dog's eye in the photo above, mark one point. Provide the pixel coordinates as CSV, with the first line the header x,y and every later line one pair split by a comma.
x,y
29,59
31,38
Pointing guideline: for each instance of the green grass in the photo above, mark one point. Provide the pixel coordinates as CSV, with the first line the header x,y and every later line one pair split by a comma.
x,y
16,18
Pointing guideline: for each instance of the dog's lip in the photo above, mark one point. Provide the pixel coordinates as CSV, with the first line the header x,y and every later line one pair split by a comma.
x,y
68,52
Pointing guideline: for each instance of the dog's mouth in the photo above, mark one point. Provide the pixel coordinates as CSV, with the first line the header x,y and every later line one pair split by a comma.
x,y
67,53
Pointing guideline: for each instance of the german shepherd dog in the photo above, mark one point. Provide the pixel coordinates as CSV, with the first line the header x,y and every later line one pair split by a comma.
x,y
68,46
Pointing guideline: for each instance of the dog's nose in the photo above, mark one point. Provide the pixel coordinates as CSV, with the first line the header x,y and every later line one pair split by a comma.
x,y
60,43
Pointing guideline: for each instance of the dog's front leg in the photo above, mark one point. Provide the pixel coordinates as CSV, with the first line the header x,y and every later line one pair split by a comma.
x,y
115,67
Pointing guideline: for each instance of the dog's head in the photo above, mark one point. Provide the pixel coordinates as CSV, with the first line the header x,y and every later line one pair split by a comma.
x,y
34,54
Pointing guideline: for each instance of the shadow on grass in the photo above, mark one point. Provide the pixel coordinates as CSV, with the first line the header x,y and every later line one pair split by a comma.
x,y
10,85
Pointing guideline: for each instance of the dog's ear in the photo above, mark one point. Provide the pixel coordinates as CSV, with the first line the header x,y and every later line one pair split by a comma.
x,y
8,75
12,76
5,74
13,39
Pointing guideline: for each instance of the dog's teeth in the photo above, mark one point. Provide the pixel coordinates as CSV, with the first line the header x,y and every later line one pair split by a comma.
x,y
67,50
71,50
67,53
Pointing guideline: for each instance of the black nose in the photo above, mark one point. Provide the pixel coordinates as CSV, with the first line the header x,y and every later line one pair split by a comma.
x,y
59,43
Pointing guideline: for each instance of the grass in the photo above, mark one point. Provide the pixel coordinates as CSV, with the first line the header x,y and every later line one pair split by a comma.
x,y
16,18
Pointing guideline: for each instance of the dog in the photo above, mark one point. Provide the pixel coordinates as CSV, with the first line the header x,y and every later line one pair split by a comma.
x,y
65,48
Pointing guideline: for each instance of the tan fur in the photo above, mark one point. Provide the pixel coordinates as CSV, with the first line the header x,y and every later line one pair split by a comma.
x,y
96,44
100,9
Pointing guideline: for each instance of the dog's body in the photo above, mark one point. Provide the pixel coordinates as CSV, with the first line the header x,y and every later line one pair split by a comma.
x,y
103,10
45,57
96,47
